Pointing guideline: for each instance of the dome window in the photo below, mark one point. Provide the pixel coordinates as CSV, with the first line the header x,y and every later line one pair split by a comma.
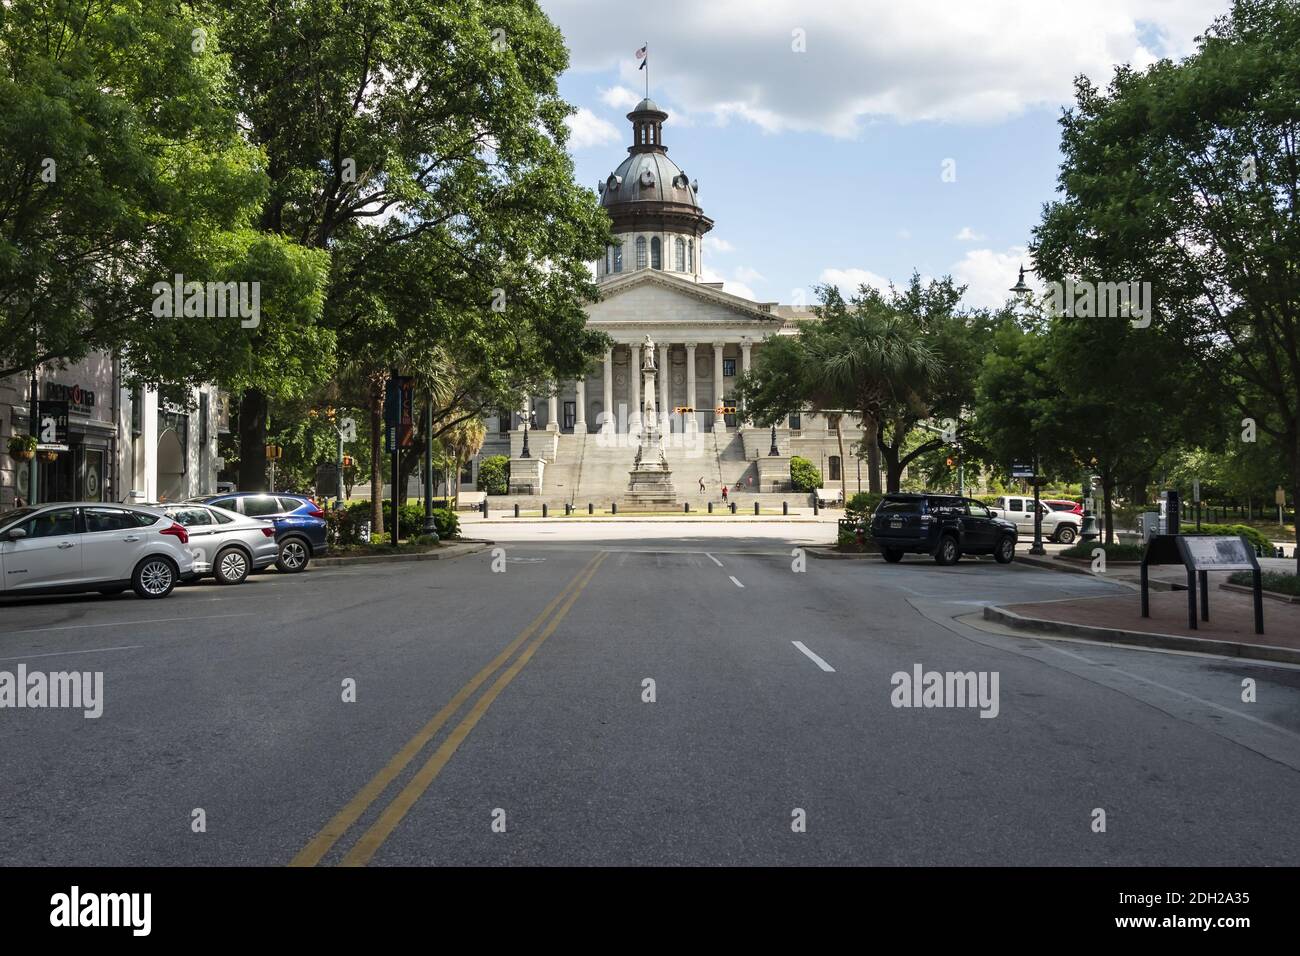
x,y
613,182
656,254
640,252
618,257
679,247
680,181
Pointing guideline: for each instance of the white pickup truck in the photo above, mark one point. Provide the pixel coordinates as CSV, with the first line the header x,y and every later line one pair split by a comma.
x,y
1062,526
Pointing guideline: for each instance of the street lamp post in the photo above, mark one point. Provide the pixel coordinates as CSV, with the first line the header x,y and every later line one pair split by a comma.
x,y
773,452
527,421
1038,512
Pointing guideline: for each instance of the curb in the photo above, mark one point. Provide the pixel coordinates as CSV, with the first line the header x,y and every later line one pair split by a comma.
x,y
675,516
1271,595
1055,564
1169,642
830,554
473,548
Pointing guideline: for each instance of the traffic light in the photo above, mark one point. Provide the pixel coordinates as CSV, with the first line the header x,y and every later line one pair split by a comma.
x,y
347,461
951,461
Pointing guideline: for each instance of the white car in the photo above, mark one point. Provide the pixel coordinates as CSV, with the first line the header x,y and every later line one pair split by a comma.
x,y
1062,526
226,545
66,547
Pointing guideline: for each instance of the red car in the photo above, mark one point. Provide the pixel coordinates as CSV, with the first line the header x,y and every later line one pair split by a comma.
x,y
1061,504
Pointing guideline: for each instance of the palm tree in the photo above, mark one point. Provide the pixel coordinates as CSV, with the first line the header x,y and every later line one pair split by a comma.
x,y
463,441
873,358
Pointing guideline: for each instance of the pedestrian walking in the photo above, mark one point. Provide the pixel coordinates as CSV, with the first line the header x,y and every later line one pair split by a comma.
x,y
724,492
701,484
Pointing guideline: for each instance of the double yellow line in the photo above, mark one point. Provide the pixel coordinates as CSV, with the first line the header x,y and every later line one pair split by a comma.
x,y
373,838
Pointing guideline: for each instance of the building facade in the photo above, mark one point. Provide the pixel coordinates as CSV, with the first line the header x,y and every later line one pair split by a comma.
x,y
116,444
653,296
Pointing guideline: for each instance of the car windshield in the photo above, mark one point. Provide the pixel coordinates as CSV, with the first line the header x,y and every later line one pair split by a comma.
x,y
14,514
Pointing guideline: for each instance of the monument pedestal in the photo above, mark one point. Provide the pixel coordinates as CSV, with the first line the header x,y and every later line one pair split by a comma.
x,y
773,473
526,475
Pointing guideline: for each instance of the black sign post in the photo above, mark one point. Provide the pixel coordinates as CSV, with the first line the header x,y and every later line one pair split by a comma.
x,y
1200,554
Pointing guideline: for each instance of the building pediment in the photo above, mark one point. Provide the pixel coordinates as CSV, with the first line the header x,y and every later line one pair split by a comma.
x,y
650,297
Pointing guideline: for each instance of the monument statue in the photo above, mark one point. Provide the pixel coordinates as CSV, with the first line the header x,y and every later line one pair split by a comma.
x,y
648,354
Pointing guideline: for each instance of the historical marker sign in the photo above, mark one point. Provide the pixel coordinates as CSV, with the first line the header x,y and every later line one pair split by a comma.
x,y
1214,553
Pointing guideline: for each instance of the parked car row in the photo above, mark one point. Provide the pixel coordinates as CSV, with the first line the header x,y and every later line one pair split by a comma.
x,y
79,546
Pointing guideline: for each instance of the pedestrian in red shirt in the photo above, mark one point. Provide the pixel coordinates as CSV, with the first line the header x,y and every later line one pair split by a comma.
x,y
724,492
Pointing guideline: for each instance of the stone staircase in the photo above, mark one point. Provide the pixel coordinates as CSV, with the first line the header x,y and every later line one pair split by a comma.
x,y
593,467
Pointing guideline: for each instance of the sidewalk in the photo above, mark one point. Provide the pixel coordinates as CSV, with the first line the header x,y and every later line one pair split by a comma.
x,y
1118,619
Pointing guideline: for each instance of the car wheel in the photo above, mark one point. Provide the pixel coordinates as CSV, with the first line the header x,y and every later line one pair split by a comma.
x,y
1066,534
294,555
892,555
1006,550
154,577
231,566
948,552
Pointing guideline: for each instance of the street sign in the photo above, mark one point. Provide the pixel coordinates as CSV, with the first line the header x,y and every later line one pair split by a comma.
x,y
399,413
1279,497
1196,491
1020,470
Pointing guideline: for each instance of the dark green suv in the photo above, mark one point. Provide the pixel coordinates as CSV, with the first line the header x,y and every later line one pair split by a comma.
x,y
944,526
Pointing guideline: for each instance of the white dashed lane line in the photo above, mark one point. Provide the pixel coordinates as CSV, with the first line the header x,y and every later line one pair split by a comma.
x,y
813,657
734,581
714,560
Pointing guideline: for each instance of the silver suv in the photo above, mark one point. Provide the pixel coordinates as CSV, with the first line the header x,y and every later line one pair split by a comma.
x,y
66,547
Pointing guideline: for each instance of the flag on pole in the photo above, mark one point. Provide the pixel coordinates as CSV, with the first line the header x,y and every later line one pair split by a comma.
x,y
641,55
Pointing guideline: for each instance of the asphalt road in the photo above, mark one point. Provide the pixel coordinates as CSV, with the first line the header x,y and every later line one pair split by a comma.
x,y
500,718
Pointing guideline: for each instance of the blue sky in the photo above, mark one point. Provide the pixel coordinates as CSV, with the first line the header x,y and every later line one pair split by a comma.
x,y
825,163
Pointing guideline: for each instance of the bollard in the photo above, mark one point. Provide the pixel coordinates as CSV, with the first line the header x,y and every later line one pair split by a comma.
x,y
568,509
755,507
545,512
483,505
815,511
516,509
613,507
686,507
785,507
733,507
591,509
710,507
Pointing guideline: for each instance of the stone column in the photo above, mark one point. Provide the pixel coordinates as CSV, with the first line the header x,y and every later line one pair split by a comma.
x,y
745,346
719,422
607,426
553,411
692,419
580,400
665,406
634,413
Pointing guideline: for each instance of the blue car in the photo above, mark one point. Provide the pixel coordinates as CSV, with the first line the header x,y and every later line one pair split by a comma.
x,y
299,523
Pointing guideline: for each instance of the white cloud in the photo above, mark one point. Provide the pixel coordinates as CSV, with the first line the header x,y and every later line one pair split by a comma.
x,y
968,234
713,244
734,286
587,129
619,97
746,274
848,281
989,275
974,61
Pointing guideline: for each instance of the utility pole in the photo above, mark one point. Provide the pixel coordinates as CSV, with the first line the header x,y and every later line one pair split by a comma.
x,y
34,428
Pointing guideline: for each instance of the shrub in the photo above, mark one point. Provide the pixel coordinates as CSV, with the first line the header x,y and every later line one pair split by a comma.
x,y
447,522
1284,582
494,475
804,475
1256,537
412,516
1114,552
862,505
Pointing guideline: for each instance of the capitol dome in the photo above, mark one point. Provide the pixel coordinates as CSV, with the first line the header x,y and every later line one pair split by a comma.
x,y
653,204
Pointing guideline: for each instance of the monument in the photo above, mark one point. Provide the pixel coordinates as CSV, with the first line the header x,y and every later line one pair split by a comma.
x,y
650,482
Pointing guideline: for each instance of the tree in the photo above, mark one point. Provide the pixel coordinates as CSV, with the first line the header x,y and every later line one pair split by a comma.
x,y
959,339
126,171
422,146
1187,174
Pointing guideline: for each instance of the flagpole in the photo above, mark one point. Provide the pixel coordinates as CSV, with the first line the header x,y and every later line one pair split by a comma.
x,y
647,69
